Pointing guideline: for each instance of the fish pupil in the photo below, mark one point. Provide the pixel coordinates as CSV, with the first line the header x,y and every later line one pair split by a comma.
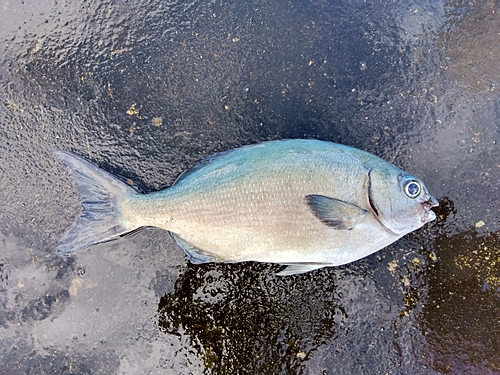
x,y
412,189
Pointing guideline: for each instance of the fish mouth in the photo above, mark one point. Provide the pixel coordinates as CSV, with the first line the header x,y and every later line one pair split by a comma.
x,y
427,213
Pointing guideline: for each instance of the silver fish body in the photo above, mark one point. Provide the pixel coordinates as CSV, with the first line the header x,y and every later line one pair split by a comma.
x,y
302,203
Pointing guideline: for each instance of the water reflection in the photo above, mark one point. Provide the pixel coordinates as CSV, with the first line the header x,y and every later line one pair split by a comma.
x,y
245,317
358,317
470,35
460,317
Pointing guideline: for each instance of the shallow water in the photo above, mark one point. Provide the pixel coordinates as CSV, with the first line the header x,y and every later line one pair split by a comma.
x,y
147,89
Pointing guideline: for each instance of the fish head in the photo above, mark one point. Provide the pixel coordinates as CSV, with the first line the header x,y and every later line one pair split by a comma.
x,y
399,200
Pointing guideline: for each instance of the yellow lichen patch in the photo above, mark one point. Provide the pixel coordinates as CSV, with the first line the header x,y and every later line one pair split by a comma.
x,y
462,262
13,106
36,261
405,280
483,261
392,265
133,110
493,281
110,92
157,121
90,284
411,299
76,283
301,355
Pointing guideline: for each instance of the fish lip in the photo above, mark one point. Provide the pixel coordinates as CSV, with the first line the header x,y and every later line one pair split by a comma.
x,y
428,214
428,204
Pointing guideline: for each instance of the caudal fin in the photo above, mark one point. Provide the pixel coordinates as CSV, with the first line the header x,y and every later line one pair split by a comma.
x,y
100,193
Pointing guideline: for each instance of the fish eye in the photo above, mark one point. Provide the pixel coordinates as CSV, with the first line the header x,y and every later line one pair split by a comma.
x,y
412,188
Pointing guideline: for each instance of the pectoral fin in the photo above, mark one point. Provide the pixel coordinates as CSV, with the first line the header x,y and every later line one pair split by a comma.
x,y
335,213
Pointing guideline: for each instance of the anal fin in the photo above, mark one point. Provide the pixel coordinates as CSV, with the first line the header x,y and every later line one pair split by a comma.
x,y
196,256
296,269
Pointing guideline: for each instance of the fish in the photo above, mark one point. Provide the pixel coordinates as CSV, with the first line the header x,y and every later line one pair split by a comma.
x,y
301,203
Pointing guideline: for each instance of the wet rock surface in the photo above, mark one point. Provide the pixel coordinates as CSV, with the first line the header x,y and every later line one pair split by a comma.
x,y
145,90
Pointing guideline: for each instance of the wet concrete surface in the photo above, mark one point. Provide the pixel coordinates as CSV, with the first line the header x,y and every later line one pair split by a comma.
x,y
146,89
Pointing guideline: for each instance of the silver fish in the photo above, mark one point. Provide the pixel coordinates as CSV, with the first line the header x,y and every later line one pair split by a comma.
x,y
306,204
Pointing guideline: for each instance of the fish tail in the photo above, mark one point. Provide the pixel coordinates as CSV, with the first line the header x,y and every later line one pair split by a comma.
x,y
101,194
